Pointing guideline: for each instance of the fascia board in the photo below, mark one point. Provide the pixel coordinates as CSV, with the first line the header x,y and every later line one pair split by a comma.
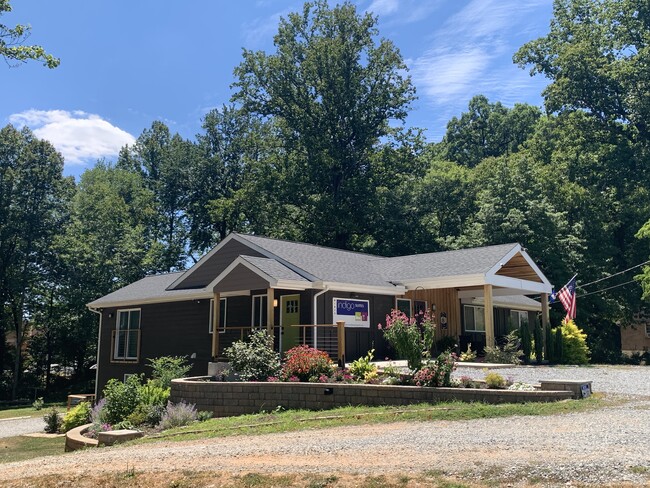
x,y
445,282
201,261
355,288
203,294
522,285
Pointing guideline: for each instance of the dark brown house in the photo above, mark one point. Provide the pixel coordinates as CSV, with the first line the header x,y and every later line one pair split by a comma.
x,y
250,282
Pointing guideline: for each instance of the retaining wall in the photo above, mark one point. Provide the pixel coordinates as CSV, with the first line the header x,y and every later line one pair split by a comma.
x,y
236,398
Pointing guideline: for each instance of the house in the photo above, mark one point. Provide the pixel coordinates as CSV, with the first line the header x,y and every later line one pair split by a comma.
x,y
635,338
250,282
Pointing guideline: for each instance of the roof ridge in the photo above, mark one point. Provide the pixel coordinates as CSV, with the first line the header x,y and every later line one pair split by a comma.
x,y
449,251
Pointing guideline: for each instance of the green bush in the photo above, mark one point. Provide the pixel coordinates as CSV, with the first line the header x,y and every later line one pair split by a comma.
x,y
509,353
254,359
558,345
526,345
495,380
548,350
152,394
146,414
122,398
539,343
38,404
574,344
76,416
52,421
167,368
363,368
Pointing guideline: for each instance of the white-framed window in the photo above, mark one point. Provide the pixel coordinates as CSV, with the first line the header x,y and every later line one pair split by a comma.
x,y
127,335
403,305
517,318
647,330
223,308
126,376
474,318
260,311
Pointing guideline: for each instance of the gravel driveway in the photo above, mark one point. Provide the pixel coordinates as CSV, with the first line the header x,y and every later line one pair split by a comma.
x,y
605,446
19,426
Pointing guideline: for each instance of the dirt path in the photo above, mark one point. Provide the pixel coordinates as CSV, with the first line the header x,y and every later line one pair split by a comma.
x,y
611,445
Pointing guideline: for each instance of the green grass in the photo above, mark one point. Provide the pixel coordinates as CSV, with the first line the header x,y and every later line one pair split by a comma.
x,y
30,411
21,447
293,420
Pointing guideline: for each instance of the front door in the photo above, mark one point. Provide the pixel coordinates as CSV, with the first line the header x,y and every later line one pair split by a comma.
x,y
289,316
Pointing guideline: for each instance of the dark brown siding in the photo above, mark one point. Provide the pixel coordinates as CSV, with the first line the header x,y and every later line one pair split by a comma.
x,y
241,278
214,265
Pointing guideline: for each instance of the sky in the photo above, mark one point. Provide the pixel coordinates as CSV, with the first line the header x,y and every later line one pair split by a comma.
x,y
126,63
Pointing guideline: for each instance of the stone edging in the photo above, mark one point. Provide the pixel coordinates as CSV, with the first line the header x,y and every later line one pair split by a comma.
x,y
237,398
74,439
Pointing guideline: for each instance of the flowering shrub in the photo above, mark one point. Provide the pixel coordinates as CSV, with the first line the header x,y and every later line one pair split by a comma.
x,y
178,415
437,372
466,382
304,362
495,380
412,338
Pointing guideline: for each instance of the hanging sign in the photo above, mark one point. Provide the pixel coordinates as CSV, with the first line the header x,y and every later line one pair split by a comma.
x,y
355,313
443,320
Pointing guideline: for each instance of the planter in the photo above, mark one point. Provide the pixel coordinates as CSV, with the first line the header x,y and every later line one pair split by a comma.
x,y
74,439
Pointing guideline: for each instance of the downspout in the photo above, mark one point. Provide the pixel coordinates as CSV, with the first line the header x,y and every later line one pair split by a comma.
x,y
99,341
315,311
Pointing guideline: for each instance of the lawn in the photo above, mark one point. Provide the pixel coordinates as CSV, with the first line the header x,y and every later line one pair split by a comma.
x,y
21,447
7,413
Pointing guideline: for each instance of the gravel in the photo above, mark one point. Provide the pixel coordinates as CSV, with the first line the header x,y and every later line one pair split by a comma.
x,y
19,426
608,446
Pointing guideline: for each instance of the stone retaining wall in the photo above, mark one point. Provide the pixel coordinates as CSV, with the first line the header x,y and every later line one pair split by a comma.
x,y
236,398
74,439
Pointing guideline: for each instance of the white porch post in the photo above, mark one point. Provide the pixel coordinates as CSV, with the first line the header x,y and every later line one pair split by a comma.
x,y
488,315
216,315
270,311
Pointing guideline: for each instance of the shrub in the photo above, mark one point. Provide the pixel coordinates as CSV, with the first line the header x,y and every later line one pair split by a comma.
x,y
121,398
574,344
437,372
52,421
149,414
204,415
167,368
507,354
254,359
446,343
178,415
412,338
76,416
526,344
152,394
539,343
467,382
38,404
495,380
304,362
548,350
362,368
558,345
468,355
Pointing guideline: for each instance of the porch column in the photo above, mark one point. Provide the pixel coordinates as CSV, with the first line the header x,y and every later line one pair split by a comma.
x,y
216,315
488,315
545,311
270,311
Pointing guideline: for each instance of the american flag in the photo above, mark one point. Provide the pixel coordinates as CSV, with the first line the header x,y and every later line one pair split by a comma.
x,y
567,295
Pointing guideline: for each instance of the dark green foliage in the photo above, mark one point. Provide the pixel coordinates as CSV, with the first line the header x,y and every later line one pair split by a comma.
x,y
558,346
508,353
52,421
524,335
254,359
121,399
548,344
539,343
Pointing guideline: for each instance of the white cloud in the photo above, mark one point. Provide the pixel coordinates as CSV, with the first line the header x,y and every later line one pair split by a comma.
x,y
396,12
383,7
79,136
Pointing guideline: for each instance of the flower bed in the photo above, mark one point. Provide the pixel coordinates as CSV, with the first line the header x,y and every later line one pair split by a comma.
x,y
237,398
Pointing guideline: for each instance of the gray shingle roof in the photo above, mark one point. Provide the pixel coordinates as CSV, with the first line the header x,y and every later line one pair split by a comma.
x,y
448,263
274,269
148,288
325,263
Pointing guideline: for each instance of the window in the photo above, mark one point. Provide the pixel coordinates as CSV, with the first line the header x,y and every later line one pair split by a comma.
x,y
126,341
404,306
647,330
260,311
291,306
474,318
516,319
223,306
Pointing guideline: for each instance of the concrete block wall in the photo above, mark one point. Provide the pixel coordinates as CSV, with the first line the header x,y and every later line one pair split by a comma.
x,y
230,398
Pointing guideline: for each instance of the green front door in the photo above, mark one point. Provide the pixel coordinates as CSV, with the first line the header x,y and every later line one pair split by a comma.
x,y
289,315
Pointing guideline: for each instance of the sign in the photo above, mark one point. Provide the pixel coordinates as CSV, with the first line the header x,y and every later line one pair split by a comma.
x,y
355,313
585,389
443,320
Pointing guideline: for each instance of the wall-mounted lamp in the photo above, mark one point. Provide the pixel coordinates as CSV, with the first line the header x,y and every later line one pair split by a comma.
x,y
275,303
433,307
110,315
193,355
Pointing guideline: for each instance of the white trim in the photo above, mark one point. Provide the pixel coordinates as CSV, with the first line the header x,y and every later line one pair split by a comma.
x,y
273,283
444,282
99,348
503,261
481,314
222,326
117,334
253,297
200,295
516,283
647,330
351,287
474,300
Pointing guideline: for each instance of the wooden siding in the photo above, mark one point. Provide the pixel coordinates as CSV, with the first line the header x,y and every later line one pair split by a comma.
x,y
445,300
241,278
214,265
519,268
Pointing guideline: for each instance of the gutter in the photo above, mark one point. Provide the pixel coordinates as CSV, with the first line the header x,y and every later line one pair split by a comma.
x,y
315,313
99,342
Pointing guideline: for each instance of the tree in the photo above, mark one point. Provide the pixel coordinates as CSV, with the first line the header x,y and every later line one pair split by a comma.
x,y
333,88
12,48
33,198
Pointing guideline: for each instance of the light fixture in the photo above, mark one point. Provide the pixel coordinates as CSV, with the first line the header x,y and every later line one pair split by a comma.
x,y
275,303
193,355
433,307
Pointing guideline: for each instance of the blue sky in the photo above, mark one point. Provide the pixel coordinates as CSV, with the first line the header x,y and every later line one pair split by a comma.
x,y
126,63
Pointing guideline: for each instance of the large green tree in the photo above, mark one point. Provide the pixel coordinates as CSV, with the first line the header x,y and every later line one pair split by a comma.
x,y
333,87
12,47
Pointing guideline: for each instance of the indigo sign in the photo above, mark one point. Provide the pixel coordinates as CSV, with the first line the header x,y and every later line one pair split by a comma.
x,y
355,313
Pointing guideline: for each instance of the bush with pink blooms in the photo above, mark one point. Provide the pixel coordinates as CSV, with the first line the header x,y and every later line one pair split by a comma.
x,y
412,338
306,364
436,372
